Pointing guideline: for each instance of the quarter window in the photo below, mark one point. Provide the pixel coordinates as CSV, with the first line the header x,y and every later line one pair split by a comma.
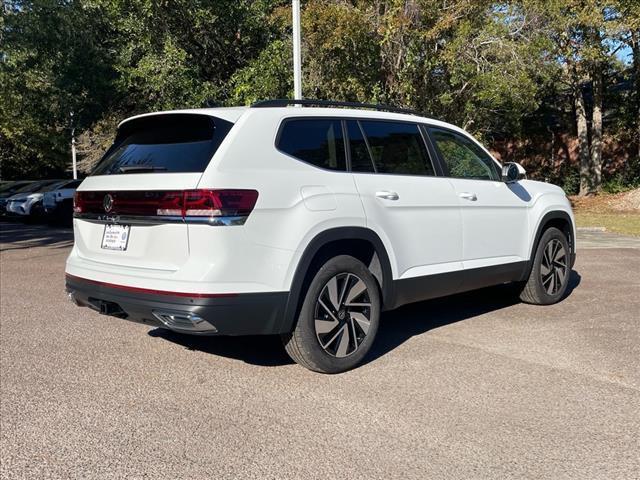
x,y
316,141
463,157
397,148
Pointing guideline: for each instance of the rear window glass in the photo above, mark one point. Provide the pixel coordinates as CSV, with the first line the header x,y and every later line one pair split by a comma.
x,y
164,143
316,141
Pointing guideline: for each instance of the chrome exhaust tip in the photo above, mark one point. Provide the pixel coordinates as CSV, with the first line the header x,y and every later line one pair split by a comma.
x,y
184,321
72,299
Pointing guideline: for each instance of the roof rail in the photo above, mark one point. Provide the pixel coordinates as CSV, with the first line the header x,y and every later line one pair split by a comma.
x,y
308,102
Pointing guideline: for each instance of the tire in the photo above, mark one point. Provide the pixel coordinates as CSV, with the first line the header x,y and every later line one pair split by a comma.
x,y
551,269
339,317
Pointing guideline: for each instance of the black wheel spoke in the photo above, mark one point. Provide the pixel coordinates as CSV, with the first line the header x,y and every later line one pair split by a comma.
x,y
553,267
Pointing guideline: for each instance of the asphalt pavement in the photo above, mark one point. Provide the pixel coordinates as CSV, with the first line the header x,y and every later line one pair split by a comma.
x,y
472,386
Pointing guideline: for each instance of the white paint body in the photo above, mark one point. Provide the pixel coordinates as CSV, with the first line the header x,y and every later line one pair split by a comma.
x,y
432,228
52,198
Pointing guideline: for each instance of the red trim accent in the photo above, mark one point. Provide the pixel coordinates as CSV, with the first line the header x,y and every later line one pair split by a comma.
x,y
150,290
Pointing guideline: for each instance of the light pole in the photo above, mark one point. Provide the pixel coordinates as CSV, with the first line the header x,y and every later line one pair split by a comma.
x,y
73,149
297,63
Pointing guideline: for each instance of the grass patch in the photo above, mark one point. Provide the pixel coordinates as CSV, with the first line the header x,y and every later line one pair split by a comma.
x,y
623,222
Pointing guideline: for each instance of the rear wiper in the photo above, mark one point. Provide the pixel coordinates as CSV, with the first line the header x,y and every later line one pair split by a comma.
x,y
140,168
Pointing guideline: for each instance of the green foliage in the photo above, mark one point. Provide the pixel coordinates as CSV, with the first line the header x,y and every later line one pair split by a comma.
x,y
501,70
341,51
571,182
268,76
615,184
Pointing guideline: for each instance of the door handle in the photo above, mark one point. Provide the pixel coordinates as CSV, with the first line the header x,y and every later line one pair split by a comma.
x,y
468,196
387,195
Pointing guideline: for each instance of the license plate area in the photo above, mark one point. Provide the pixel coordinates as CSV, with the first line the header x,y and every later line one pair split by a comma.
x,y
116,237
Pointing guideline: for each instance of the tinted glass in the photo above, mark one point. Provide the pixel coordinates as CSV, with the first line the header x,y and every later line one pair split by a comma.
x,y
397,148
464,159
67,184
316,141
164,143
13,187
36,187
360,158
54,186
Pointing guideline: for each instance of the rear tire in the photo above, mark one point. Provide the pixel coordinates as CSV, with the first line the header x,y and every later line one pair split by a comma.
x,y
339,317
549,277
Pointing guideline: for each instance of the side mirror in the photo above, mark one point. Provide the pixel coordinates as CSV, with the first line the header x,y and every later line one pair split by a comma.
x,y
512,172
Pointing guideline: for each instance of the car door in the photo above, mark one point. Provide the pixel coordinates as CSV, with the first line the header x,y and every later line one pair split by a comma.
x,y
411,208
494,214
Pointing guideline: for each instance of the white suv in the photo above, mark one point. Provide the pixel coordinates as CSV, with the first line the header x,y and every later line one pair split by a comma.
x,y
307,223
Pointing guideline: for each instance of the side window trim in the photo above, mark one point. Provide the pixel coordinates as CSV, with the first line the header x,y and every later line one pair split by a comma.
x,y
347,145
366,142
439,167
445,168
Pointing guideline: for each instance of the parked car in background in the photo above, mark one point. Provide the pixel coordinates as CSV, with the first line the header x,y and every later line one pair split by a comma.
x,y
27,202
58,201
9,189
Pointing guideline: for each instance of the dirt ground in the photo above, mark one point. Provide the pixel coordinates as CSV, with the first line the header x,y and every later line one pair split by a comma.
x,y
619,213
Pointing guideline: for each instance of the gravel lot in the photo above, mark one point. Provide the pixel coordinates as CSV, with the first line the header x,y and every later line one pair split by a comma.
x,y
472,386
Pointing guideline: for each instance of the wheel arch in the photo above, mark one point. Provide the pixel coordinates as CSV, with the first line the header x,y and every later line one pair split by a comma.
x,y
359,242
555,218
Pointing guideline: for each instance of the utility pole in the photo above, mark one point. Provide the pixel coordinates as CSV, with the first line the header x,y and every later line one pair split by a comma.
x,y
73,148
297,62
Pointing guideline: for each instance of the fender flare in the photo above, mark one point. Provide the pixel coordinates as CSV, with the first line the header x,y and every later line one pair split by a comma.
x,y
553,215
314,246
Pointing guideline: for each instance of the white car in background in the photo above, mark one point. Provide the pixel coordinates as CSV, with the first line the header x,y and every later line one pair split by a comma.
x,y
28,203
58,201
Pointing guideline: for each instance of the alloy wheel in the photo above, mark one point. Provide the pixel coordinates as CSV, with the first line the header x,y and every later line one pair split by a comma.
x,y
342,314
553,268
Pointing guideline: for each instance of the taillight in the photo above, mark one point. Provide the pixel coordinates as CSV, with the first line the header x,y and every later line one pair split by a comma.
x,y
219,203
170,203
182,205
77,203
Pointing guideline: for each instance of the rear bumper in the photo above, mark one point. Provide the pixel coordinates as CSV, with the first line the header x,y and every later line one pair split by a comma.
x,y
225,314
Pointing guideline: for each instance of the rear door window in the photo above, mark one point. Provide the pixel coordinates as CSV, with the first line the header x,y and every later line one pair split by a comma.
x,y
397,148
164,143
313,140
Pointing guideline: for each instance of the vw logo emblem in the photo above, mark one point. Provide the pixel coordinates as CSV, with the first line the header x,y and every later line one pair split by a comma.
x,y
107,202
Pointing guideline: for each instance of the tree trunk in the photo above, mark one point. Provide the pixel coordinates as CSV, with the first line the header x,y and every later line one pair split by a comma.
x,y
583,141
596,129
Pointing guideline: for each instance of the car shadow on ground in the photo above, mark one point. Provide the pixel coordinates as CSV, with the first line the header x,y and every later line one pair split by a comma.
x,y
18,236
396,327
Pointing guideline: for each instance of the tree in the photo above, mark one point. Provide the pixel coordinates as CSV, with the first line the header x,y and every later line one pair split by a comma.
x,y
56,58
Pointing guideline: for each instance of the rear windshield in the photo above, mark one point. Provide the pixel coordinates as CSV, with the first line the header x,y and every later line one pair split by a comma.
x,y
164,143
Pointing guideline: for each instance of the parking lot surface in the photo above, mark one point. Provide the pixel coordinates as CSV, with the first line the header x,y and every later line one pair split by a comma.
x,y
472,386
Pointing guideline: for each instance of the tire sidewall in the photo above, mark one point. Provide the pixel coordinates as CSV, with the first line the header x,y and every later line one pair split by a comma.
x,y
306,321
550,234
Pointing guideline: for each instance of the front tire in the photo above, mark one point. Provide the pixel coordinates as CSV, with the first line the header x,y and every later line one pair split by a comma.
x,y
339,317
549,277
